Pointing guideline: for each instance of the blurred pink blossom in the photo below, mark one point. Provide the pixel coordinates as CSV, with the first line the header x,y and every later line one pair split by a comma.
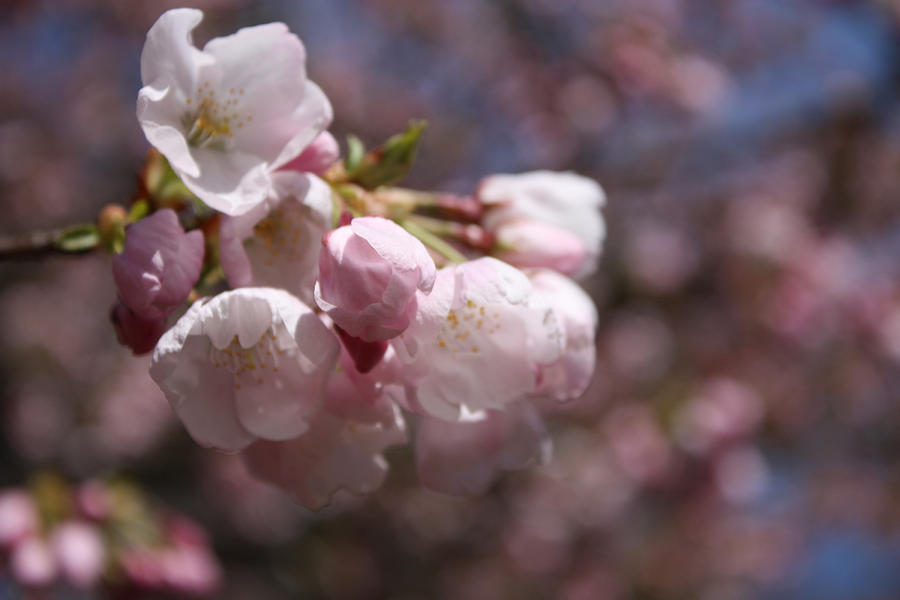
x,y
80,552
464,457
32,563
18,518
723,411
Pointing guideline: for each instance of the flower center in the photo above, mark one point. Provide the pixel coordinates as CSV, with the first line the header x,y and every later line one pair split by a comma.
x,y
211,123
249,365
458,327
281,233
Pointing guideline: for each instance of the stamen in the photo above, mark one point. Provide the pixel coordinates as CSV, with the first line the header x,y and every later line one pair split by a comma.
x,y
210,124
461,323
249,365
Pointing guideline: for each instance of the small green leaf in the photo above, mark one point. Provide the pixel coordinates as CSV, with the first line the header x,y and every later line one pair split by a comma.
x,y
78,238
139,210
356,150
391,162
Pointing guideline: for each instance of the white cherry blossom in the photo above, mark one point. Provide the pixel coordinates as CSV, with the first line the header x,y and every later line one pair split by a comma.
x,y
247,364
342,450
477,342
277,242
229,114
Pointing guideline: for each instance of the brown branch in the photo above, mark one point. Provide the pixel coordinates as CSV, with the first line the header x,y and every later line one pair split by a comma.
x,y
30,244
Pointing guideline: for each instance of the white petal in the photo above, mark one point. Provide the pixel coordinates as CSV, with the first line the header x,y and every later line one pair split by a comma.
x,y
169,55
200,394
232,182
288,111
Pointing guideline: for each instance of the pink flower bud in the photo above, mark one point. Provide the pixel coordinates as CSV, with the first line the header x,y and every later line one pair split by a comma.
x,y
159,266
143,567
563,200
369,273
79,552
135,332
94,501
318,156
18,517
528,243
189,569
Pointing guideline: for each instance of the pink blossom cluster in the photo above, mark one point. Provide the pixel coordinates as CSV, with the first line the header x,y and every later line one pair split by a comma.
x,y
332,337
101,535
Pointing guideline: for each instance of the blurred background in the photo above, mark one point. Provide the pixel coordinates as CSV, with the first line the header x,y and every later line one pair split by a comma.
x,y
741,437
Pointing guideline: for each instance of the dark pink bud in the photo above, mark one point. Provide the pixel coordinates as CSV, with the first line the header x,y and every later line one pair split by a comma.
x,y
133,331
159,266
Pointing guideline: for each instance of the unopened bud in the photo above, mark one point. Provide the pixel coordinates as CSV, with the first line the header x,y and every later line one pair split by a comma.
x,y
111,226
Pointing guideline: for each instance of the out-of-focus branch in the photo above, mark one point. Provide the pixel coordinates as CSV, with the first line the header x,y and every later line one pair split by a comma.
x,y
76,239
31,243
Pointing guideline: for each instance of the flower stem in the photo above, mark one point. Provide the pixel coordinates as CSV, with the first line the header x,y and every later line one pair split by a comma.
x,y
434,242
70,240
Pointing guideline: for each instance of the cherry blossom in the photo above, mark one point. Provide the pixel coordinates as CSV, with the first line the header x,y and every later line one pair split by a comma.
x,y
369,274
31,563
246,364
477,342
159,265
342,448
463,458
570,375
277,242
229,114
79,552
18,517
564,200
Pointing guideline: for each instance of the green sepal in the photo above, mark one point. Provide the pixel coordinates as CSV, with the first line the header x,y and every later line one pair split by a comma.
x,y
78,238
356,150
138,211
391,162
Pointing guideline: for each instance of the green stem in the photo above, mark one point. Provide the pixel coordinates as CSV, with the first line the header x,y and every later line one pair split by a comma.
x,y
77,239
433,241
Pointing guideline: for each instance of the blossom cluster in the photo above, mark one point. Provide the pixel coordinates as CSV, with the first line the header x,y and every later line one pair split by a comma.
x,y
53,536
354,307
